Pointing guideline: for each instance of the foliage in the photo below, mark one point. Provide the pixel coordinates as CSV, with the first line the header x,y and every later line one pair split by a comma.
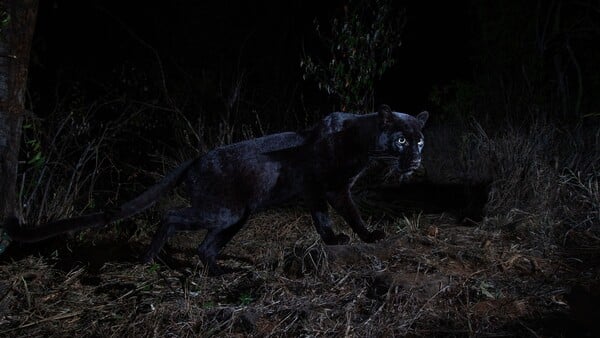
x,y
245,299
360,46
33,147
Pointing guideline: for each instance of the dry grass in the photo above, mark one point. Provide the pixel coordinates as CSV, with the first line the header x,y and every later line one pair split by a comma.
x,y
431,278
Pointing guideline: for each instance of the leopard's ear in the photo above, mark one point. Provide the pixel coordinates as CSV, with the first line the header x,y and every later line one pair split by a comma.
x,y
385,114
422,117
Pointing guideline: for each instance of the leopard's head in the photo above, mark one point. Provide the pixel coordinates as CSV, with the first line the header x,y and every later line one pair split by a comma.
x,y
400,141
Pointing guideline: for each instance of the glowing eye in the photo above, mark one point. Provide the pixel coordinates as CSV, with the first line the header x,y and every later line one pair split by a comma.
x,y
402,141
421,143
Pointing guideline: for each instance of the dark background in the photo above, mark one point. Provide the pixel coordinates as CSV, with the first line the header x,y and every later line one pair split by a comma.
x,y
99,46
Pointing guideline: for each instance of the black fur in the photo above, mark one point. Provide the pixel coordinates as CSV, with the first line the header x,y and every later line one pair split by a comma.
x,y
229,183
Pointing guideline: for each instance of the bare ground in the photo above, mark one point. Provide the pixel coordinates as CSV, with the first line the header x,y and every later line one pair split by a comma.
x,y
430,277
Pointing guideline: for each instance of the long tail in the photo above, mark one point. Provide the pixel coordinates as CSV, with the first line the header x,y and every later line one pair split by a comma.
x,y
28,235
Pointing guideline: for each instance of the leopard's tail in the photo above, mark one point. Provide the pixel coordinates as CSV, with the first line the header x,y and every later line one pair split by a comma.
x,y
15,232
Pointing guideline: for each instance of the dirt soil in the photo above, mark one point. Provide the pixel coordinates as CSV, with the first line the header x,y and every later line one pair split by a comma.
x,y
429,277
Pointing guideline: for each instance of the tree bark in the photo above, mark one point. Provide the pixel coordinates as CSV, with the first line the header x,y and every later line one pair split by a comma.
x,y
15,46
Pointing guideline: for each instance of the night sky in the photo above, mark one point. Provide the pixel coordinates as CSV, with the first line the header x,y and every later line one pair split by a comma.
x,y
94,45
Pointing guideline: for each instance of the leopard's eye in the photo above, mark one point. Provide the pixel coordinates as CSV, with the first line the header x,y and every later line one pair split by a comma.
x,y
401,141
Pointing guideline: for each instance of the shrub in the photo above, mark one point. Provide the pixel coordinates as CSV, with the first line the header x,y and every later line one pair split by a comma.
x,y
360,46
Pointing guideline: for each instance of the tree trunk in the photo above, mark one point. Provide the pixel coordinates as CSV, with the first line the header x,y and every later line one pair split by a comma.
x,y
15,46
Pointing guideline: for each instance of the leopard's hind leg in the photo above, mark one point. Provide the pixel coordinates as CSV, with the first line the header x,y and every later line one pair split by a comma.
x,y
221,223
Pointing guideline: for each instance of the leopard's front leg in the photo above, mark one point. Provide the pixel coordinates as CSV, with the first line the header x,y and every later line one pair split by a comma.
x,y
342,202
